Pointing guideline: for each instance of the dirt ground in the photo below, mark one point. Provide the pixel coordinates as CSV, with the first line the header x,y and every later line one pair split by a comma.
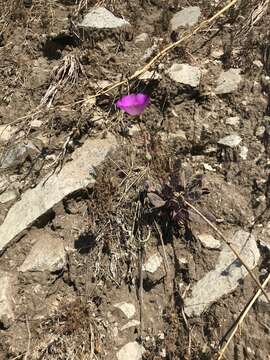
x,y
48,68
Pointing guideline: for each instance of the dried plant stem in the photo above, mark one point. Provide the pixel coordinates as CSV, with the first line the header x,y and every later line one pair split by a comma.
x,y
242,317
230,246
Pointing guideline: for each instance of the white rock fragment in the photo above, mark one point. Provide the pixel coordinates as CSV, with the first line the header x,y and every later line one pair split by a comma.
x,y
260,131
6,299
36,124
101,18
230,140
228,81
131,351
232,121
209,242
127,308
226,276
75,175
153,263
142,40
243,152
47,254
185,18
6,132
185,74
131,323
258,63
8,195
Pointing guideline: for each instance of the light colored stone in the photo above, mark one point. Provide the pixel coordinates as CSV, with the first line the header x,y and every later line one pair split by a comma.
x,y
131,323
153,263
185,18
6,132
232,121
36,124
47,254
185,74
131,351
226,276
209,242
6,299
142,40
243,152
230,140
101,18
127,308
134,130
258,63
260,131
228,81
75,175
7,196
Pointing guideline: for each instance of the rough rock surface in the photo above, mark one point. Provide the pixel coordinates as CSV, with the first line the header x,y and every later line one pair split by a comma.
x,y
186,17
153,263
48,253
226,275
101,18
230,140
74,175
127,308
131,351
185,74
6,299
228,81
208,241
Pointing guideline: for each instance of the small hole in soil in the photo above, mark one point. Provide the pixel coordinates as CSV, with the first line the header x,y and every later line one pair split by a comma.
x,y
85,243
54,46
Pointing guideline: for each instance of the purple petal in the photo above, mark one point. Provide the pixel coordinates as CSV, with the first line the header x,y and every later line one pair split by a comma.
x,y
133,104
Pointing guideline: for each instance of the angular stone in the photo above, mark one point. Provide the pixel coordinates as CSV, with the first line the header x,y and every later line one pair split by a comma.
x,y
226,276
6,132
7,196
17,154
101,18
185,74
74,176
47,254
127,308
6,299
185,18
230,140
131,351
153,263
233,121
228,81
243,152
150,75
142,40
209,242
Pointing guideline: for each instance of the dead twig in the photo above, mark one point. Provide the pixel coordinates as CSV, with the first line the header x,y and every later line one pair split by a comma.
x,y
243,315
29,339
230,246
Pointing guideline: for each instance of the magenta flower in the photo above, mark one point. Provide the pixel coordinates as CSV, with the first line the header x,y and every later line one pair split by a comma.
x,y
133,104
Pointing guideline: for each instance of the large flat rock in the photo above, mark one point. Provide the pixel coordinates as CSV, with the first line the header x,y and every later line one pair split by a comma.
x,y
226,276
75,175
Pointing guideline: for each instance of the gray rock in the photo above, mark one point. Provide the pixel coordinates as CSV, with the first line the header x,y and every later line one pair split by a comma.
x,y
36,124
185,74
185,18
228,81
232,121
243,152
131,323
17,154
226,276
230,140
150,75
131,351
142,41
127,308
74,176
153,263
101,18
7,132
47,254
6,299
208,241
7,196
